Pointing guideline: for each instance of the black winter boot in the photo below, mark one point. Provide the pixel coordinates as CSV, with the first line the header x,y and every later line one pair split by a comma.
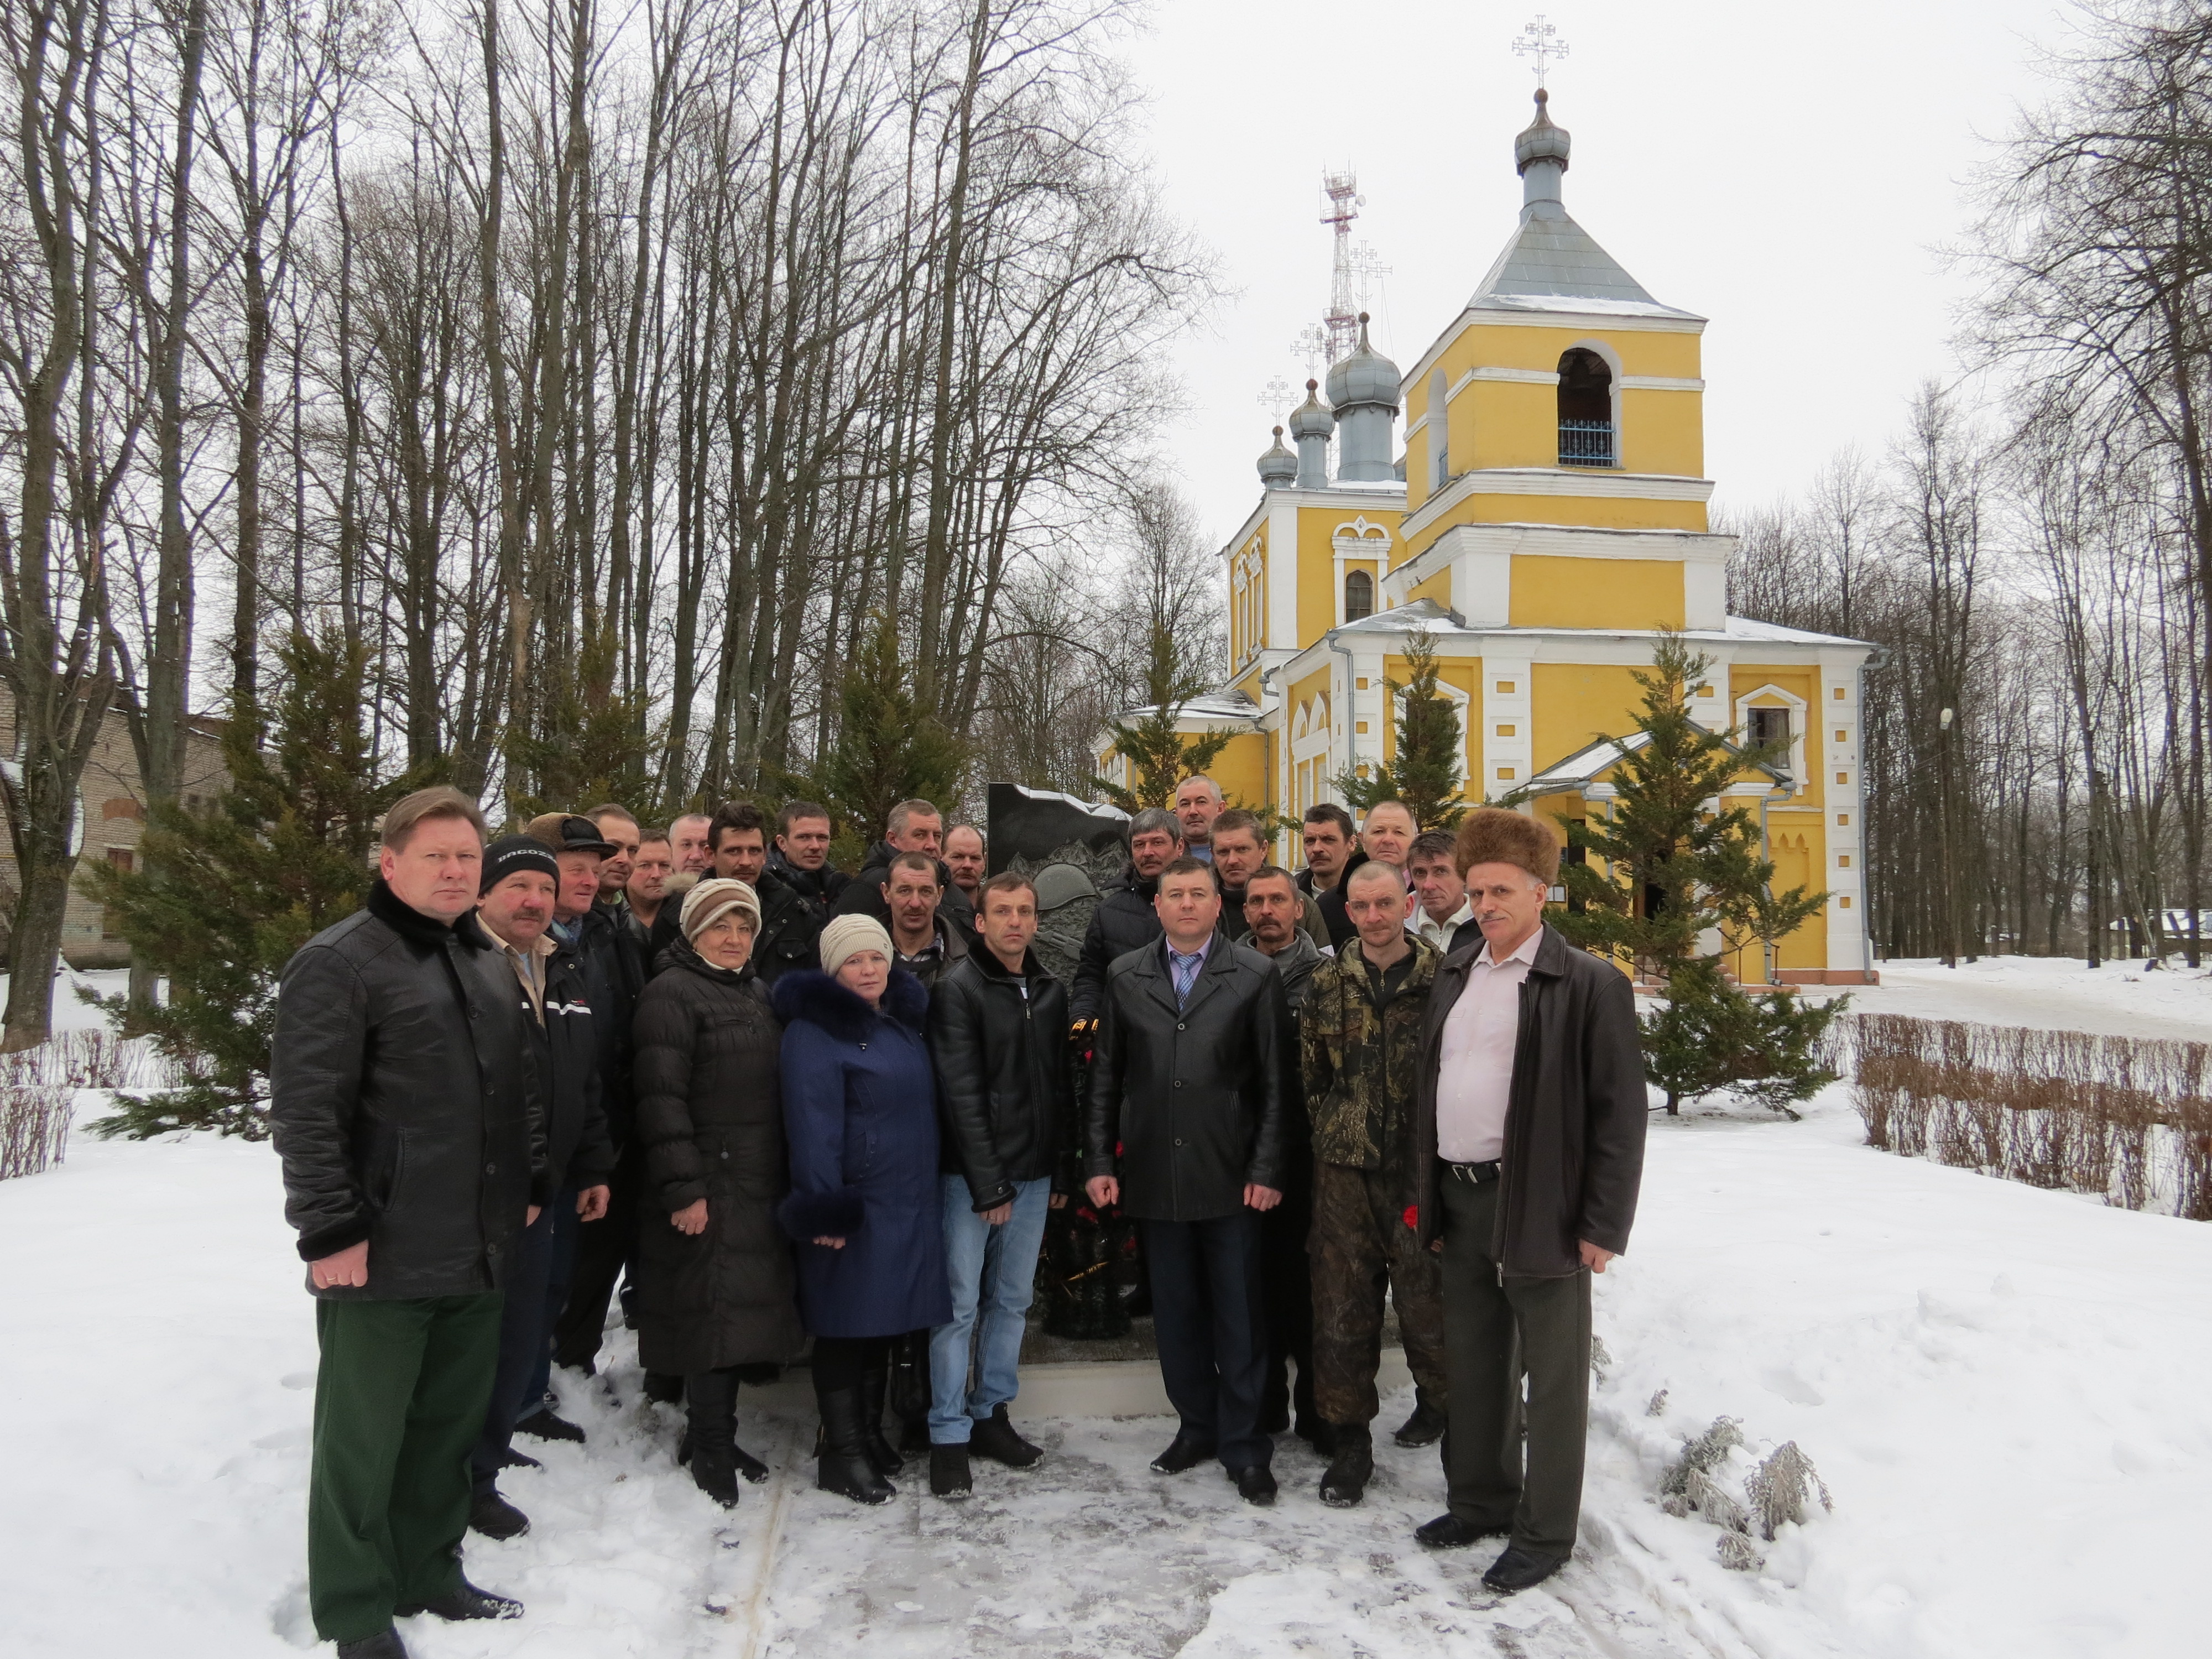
x,y
996,1438
949,1477
1426,1426
711,1397
1345,1481
843,1465
385,1644
875,1386
494,1516
910,1391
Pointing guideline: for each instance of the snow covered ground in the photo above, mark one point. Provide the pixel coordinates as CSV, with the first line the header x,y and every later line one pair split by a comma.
x,y
2119,999
2003,1389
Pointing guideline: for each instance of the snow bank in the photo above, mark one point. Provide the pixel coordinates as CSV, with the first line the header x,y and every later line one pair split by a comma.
x,y
2119,999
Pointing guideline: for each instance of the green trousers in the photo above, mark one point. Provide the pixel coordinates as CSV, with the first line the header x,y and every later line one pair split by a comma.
x,y
1499,1331
399,1401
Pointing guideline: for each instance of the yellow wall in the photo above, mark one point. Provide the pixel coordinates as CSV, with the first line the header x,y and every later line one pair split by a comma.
x,y
1241,769
1555,592
1575,704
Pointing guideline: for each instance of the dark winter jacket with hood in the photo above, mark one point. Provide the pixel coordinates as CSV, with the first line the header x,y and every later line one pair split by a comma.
x,y
822,888
1574,1122
864,893
1196,1098
578,1152
405,1102
1006,1076
859,1110
1124,920
791,925
707,1054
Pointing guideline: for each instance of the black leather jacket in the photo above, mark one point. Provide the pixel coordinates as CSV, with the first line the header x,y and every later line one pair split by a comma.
x,y
1197,1098
405,1105
791,925
1006,1078
1124,920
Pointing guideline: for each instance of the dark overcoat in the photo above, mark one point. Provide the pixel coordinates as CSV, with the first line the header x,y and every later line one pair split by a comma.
x,y
859,1108
705,1055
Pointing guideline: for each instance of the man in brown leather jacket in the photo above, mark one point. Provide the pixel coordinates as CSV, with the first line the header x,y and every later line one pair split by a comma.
x,y
1528,1136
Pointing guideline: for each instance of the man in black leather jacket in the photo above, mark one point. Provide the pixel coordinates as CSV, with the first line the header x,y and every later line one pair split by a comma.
x,y
1006,1083
405,1107
1126,918
1190,1090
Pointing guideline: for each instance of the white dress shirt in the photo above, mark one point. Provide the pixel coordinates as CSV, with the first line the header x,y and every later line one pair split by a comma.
x,y
1475,1073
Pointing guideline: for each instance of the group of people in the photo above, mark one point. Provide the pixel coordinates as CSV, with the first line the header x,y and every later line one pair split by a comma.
x,y
779,1105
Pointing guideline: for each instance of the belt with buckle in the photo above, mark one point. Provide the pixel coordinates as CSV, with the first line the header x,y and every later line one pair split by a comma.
x,y
1475,1174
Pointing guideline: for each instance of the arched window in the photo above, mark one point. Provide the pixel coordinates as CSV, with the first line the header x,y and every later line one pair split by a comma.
x,y
1358,596
1586,433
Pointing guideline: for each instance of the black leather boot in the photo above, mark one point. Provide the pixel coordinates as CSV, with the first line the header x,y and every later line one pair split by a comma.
x,y
1426,1426
875,1388
1351,1468
711,1398
842,1465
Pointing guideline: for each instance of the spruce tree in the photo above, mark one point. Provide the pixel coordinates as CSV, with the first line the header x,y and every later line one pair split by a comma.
x,y
1426,773
888,748
1672,863
592,743
230,890
1160,757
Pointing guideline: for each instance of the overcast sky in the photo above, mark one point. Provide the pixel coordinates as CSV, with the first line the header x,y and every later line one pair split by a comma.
x,y
1791,171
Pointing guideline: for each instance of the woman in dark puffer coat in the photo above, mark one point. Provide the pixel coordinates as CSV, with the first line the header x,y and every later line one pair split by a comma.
x,y
715,1283
860,1102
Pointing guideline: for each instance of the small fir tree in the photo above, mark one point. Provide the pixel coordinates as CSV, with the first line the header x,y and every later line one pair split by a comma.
x,y
1160,757
888,749
592,743
1671,865
1426,773
230,890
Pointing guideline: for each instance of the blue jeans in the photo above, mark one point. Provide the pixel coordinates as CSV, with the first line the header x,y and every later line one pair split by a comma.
x,y
994,1274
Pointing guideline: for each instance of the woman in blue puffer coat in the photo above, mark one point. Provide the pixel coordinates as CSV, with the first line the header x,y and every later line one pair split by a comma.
x,y
859,1108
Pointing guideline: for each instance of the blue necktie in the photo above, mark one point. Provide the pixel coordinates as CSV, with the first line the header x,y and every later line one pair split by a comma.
x,y
1184,971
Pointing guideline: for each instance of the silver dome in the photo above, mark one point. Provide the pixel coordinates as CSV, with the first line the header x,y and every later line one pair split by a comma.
x,y
1541,141
1365,377
1312,419
1278,468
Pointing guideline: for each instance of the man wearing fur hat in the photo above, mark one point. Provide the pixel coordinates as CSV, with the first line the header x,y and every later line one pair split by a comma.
x,y
1528,1131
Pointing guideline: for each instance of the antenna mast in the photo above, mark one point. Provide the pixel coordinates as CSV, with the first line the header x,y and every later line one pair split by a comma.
x,y
1344,200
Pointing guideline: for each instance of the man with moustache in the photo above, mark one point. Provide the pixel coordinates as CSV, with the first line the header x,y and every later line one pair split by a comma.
x,y
1239,849
1386,835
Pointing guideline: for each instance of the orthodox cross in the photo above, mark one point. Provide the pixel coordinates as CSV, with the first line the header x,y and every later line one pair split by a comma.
x,y
1274,395
1312,348
1540,40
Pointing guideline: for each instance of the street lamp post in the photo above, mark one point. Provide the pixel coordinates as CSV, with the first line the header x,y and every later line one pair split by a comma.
x,y
1943,834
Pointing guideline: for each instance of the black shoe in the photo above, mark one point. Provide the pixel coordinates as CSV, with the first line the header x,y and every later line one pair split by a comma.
x,y
546,1424
1424,1428
1256,1485
467,1602
948,1472
875,1387
1315,1433
1519,1569
385,1644
1449,1532
512,1459
842,1465
494,1517
1345,1482
995,1437
1185,1451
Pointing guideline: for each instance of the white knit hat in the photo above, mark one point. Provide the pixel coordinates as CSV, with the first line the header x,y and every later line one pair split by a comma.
x,y
846,936
710,901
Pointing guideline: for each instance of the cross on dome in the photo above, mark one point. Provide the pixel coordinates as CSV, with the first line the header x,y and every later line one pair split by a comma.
x,y
1540,40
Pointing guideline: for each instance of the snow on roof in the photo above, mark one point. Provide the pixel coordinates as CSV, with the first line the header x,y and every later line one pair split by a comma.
x,y
1206,705
1587,764
1748,627
1425,615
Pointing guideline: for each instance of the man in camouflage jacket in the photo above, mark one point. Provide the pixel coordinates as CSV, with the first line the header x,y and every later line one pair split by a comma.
x,y
1360,1040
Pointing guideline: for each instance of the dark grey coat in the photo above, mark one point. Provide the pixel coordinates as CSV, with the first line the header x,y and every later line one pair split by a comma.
x,y
1197,1099
1574,1124
710,1123
405,1102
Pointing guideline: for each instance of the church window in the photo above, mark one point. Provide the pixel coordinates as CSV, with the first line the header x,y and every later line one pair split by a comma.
x,y
1766,727
1586,433
1358,596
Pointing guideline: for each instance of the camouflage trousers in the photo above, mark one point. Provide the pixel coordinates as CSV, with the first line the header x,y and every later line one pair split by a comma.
x,y
1359,1246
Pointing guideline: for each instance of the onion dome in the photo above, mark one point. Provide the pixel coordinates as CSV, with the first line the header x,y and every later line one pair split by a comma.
x,y
1278,468
1312,419
1366,377
1540,141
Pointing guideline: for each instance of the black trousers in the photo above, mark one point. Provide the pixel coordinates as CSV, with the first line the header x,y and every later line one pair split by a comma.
x,y
603,1249
1209,1316
1499,1331
521,1349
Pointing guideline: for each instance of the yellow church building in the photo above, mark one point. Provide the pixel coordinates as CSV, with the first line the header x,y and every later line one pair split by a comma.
x,y
1544,521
